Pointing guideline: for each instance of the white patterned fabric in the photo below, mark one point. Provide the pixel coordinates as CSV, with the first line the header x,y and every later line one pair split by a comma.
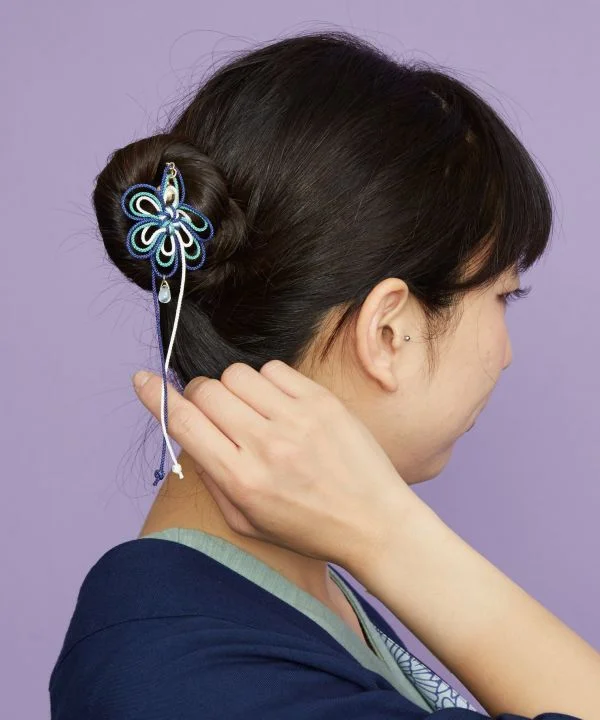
x,y
428,683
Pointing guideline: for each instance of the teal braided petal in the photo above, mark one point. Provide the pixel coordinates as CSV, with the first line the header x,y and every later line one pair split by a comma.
x,y
190,242
141,202
197,220
166,249
143,237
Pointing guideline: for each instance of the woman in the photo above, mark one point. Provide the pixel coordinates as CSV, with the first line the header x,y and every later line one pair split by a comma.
x,y
368,222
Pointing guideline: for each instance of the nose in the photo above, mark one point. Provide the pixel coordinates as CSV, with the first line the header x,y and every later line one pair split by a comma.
x,y
508,355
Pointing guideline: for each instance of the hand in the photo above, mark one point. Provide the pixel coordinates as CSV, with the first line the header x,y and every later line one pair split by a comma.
x,y
286,461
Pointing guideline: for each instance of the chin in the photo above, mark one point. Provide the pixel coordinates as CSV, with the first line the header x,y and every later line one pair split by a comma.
x,y
435,466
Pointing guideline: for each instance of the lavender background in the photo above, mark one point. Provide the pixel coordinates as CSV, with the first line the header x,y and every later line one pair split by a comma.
x,y
80,79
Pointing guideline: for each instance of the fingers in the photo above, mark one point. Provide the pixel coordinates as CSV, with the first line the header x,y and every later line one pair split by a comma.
x,y
270,393
191,429
258,391
289,380
238,420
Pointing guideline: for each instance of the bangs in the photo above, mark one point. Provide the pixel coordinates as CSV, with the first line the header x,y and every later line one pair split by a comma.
x,y
516,212
502,208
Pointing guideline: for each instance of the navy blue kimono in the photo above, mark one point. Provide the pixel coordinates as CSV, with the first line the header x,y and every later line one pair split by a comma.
x,y
163,631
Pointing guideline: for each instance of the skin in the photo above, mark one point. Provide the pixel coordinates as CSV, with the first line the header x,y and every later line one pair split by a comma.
x,y
416,419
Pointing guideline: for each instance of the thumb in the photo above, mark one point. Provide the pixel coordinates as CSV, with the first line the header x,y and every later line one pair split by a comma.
x,y
234,517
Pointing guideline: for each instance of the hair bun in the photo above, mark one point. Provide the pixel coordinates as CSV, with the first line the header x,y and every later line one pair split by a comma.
x,y
143,161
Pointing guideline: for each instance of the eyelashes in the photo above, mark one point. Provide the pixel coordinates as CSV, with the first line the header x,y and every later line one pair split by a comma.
x,y
515,294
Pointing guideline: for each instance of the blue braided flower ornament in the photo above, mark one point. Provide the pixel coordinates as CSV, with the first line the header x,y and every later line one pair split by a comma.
x,y
162,219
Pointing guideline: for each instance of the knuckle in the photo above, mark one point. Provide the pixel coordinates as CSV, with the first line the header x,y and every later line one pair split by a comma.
x,y
180,421
280,448
193,384
247,484
272,365
248,490
233,372
305,422
318,410
325,403
198,391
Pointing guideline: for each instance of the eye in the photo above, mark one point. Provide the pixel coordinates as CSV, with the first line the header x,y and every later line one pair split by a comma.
x,y
515,295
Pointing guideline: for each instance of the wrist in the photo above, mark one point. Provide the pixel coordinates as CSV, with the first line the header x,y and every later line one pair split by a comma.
x,y
392,532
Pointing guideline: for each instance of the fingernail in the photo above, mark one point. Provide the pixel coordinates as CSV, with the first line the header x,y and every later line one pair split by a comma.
x,y
140,378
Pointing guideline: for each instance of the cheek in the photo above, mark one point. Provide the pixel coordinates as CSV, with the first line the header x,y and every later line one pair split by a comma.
x,y
493,342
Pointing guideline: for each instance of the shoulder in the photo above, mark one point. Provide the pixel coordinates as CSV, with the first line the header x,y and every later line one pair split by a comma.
x,y
156,578
160,625
163,631
150,579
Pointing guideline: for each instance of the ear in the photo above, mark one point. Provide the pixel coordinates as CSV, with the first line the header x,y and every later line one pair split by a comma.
x,y
384,319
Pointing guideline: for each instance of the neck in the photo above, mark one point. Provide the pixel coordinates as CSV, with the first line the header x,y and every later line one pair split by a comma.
x,y
187,503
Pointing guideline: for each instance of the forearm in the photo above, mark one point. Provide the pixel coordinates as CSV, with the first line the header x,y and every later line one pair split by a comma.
x,y
509,651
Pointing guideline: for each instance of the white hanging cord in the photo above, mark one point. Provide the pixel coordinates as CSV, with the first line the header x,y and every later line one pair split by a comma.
x,y
176,466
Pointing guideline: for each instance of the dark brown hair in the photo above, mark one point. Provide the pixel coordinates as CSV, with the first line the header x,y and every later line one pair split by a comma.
x,y
326,166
